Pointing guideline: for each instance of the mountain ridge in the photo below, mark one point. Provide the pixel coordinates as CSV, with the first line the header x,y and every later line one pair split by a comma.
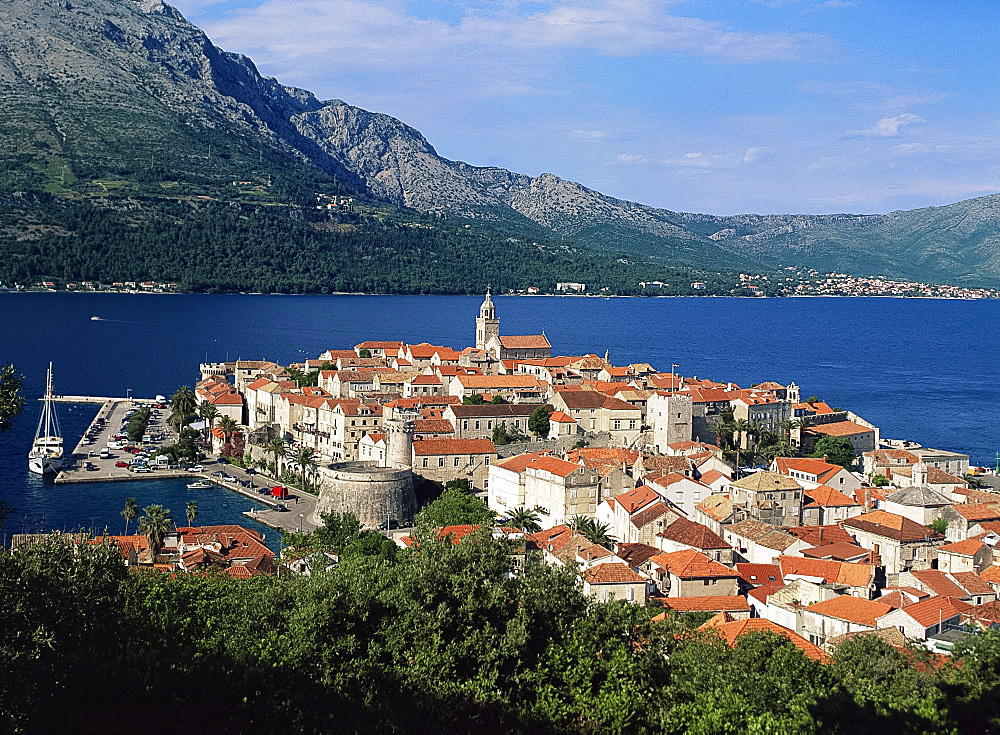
x,y
130,88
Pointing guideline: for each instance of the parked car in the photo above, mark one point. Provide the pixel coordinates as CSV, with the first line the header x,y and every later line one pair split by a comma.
x,y
218,473
229,478
120,463
196,468
91,467
141,468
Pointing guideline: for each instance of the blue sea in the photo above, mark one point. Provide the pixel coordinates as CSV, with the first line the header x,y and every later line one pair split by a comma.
x,y
920,369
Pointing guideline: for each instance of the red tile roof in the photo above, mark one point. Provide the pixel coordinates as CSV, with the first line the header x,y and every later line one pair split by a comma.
x,y
934,610
633,500
968,547
978,511
708,603
892,526
555,466
758,574
973,583
612,573
852,609
691,564
689,533
524,341
732,630
839,428
938,582
432,447
829,498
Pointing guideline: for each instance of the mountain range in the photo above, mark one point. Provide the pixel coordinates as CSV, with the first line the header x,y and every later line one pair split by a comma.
x,y
99,97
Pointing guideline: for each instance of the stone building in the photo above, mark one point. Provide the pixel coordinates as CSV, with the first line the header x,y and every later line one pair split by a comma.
x,y
768,497
375,494
670,416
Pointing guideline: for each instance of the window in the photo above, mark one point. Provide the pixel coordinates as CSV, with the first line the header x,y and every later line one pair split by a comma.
x,y
616,425
489,424
477,423
456,461
486,461
425,462
486,483
465,424
631,424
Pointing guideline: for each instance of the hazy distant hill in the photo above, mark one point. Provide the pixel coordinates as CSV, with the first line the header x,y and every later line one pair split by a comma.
x,y
124,96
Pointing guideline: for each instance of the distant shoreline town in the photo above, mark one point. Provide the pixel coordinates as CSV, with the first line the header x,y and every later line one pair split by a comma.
x,y
797,282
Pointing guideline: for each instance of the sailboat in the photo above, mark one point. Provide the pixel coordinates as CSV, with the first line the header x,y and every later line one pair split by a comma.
x,y
46,453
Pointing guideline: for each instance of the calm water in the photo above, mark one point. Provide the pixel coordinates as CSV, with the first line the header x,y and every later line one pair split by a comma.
x,y
920,369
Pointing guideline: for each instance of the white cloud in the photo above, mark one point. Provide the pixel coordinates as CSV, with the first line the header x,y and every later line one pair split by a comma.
x,y
590,134
759,153
888,127
629,158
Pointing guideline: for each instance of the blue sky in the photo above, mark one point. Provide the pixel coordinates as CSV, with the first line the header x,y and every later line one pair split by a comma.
x,y
722,107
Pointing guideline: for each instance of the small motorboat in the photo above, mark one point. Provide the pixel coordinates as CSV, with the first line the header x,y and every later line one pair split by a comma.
x,y
199,485
95,318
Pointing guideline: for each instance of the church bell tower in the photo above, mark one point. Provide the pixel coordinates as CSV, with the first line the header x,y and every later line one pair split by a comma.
x,y
487,324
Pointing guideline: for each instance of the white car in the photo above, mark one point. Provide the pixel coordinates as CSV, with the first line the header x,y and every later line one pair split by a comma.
x,y
197,468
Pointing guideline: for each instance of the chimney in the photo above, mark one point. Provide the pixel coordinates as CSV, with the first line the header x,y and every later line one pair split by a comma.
x,y
826,457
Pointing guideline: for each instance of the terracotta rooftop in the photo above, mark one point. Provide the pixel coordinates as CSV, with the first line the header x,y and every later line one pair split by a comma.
x,y
691,564
431,447
839,428
933,610
938,583
733,603
852,609
689,533
731,630
891,526
612,573
757,574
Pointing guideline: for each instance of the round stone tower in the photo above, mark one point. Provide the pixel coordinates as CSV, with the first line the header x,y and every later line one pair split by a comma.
x,y
372,493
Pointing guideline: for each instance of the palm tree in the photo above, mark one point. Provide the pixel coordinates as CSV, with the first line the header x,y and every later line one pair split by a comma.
x,y
578,523
785,431
208,413
740,427
130,511
191,511
155,525
599,533
183,402
304,458
277,446
228,425
526,519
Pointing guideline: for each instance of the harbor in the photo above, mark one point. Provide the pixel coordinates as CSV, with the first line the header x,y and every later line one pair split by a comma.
x,y
291,514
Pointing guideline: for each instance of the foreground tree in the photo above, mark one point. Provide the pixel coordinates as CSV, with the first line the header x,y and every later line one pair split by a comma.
x,y
11,401
191,512
454,507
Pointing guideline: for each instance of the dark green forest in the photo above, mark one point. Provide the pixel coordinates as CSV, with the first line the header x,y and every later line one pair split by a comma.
x,y
213,246
443,639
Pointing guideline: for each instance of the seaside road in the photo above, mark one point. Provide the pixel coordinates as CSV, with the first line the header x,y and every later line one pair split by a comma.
x,y
300,505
